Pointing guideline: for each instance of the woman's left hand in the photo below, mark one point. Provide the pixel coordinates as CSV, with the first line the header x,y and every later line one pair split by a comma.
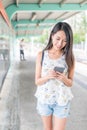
x,y
61,76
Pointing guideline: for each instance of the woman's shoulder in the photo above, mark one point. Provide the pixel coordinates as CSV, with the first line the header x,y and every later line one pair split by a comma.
x,y
41,52
39,55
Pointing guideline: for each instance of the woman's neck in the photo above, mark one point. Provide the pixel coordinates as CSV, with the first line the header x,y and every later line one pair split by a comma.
x,y
55,52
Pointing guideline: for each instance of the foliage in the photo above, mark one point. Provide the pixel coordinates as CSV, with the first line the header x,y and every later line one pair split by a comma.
x,y
43,38
78,37
79,25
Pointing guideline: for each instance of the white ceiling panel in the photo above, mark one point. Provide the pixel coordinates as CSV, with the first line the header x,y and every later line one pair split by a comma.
x,y
39,16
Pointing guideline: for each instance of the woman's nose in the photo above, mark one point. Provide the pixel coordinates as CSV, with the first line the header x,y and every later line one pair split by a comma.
x,y
60,43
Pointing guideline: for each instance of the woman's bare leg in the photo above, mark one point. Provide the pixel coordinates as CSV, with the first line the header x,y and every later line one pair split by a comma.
x,y
59,123
47,122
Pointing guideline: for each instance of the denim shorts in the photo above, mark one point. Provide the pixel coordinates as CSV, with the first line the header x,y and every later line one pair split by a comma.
x,y
53,109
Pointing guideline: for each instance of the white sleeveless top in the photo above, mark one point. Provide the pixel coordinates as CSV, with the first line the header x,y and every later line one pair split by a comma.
x,y
53,91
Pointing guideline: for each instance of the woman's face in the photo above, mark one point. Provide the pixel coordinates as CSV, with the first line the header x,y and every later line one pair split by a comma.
x,y
59,40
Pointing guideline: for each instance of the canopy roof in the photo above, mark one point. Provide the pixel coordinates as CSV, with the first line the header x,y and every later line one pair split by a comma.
x,y
30,17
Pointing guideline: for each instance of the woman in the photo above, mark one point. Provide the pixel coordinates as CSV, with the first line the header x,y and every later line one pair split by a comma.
x,y
54,88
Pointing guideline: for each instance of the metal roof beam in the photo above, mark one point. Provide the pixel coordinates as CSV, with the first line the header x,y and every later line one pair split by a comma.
x,y
28,35
34,15
32,28
17,2
47,15
41,1
73,14
4,14
12,9
25,22
63,2
61,15
83,2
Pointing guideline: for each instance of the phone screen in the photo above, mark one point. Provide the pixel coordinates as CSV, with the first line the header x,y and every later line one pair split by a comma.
x,y
59,69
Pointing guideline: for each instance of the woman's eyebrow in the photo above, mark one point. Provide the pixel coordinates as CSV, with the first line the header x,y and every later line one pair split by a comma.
x,y
60,37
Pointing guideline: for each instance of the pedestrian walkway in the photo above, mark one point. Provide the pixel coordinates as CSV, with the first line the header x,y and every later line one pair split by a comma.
x,y
29,119
28,115
81,68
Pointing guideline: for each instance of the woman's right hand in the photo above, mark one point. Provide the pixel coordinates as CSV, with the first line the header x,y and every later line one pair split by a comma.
x,y
51,74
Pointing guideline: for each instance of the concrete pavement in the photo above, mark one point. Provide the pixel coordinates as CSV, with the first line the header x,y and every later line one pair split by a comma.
x,y
24,72
29,118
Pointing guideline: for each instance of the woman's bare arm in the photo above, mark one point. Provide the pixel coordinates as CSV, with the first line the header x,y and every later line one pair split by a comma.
x,y
38,79
67,80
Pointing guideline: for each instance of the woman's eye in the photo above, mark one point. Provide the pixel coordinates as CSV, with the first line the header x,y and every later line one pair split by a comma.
x,y
65,41
57,39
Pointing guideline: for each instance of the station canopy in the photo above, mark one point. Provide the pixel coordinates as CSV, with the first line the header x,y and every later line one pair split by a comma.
x,y
31,17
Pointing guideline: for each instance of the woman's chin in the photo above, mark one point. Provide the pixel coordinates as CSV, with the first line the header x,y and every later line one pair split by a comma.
x,y
58,49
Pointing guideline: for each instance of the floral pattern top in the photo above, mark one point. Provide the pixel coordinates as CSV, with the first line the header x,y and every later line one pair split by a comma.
x,y
53,91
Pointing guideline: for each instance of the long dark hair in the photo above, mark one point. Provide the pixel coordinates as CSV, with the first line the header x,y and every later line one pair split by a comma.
x,y
67,50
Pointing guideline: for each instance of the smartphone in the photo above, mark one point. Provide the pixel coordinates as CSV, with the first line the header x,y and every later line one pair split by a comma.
x,y
59,69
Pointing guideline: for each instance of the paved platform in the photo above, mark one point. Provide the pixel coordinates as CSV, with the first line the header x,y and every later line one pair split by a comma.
x,y
29,119
28,115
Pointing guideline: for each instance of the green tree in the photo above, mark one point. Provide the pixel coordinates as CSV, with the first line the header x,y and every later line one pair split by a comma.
x,y
43,38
